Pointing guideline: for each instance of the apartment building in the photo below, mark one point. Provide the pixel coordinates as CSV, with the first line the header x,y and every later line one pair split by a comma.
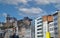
x,y
55,20
45,24
42,26
51,29
51,26
38,27
46,20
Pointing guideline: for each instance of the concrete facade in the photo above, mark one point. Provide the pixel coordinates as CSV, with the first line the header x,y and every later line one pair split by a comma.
x,y
58,24
38,28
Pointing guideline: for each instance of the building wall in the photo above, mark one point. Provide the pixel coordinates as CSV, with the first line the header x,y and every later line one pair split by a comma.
x,y
51,29
55,20
45,24
32,30
45,28
25,33
59,24
24,28
38,28
46,20
51,23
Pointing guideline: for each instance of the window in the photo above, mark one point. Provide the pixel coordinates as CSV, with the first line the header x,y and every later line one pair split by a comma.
x,y
50,25
51,29
1,34
56,16
40,36
39,25
39,29
55,23
55,19
56,32
39,32
55,28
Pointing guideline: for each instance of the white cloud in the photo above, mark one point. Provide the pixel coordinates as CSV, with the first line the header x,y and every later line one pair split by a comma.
x,y
14,1
31,10
42,1
58,6
52,1
47,1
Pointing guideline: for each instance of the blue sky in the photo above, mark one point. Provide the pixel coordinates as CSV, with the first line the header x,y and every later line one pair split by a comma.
x,y
30,8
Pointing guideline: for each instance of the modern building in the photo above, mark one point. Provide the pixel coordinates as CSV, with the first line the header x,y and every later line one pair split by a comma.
x,y
46,21
55,20
50,24
51,29
39,27
45,24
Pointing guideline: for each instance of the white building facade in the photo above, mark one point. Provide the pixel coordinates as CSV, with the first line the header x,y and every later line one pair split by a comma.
x,y
46,27
38,28
51,29
46,24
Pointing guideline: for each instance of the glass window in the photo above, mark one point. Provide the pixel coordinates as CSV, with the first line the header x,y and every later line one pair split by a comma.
x,y
55,19
51,29
0,34
55,23
56,32
39,32
40,36
39,25
39,29
56,16
50,25
55,28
